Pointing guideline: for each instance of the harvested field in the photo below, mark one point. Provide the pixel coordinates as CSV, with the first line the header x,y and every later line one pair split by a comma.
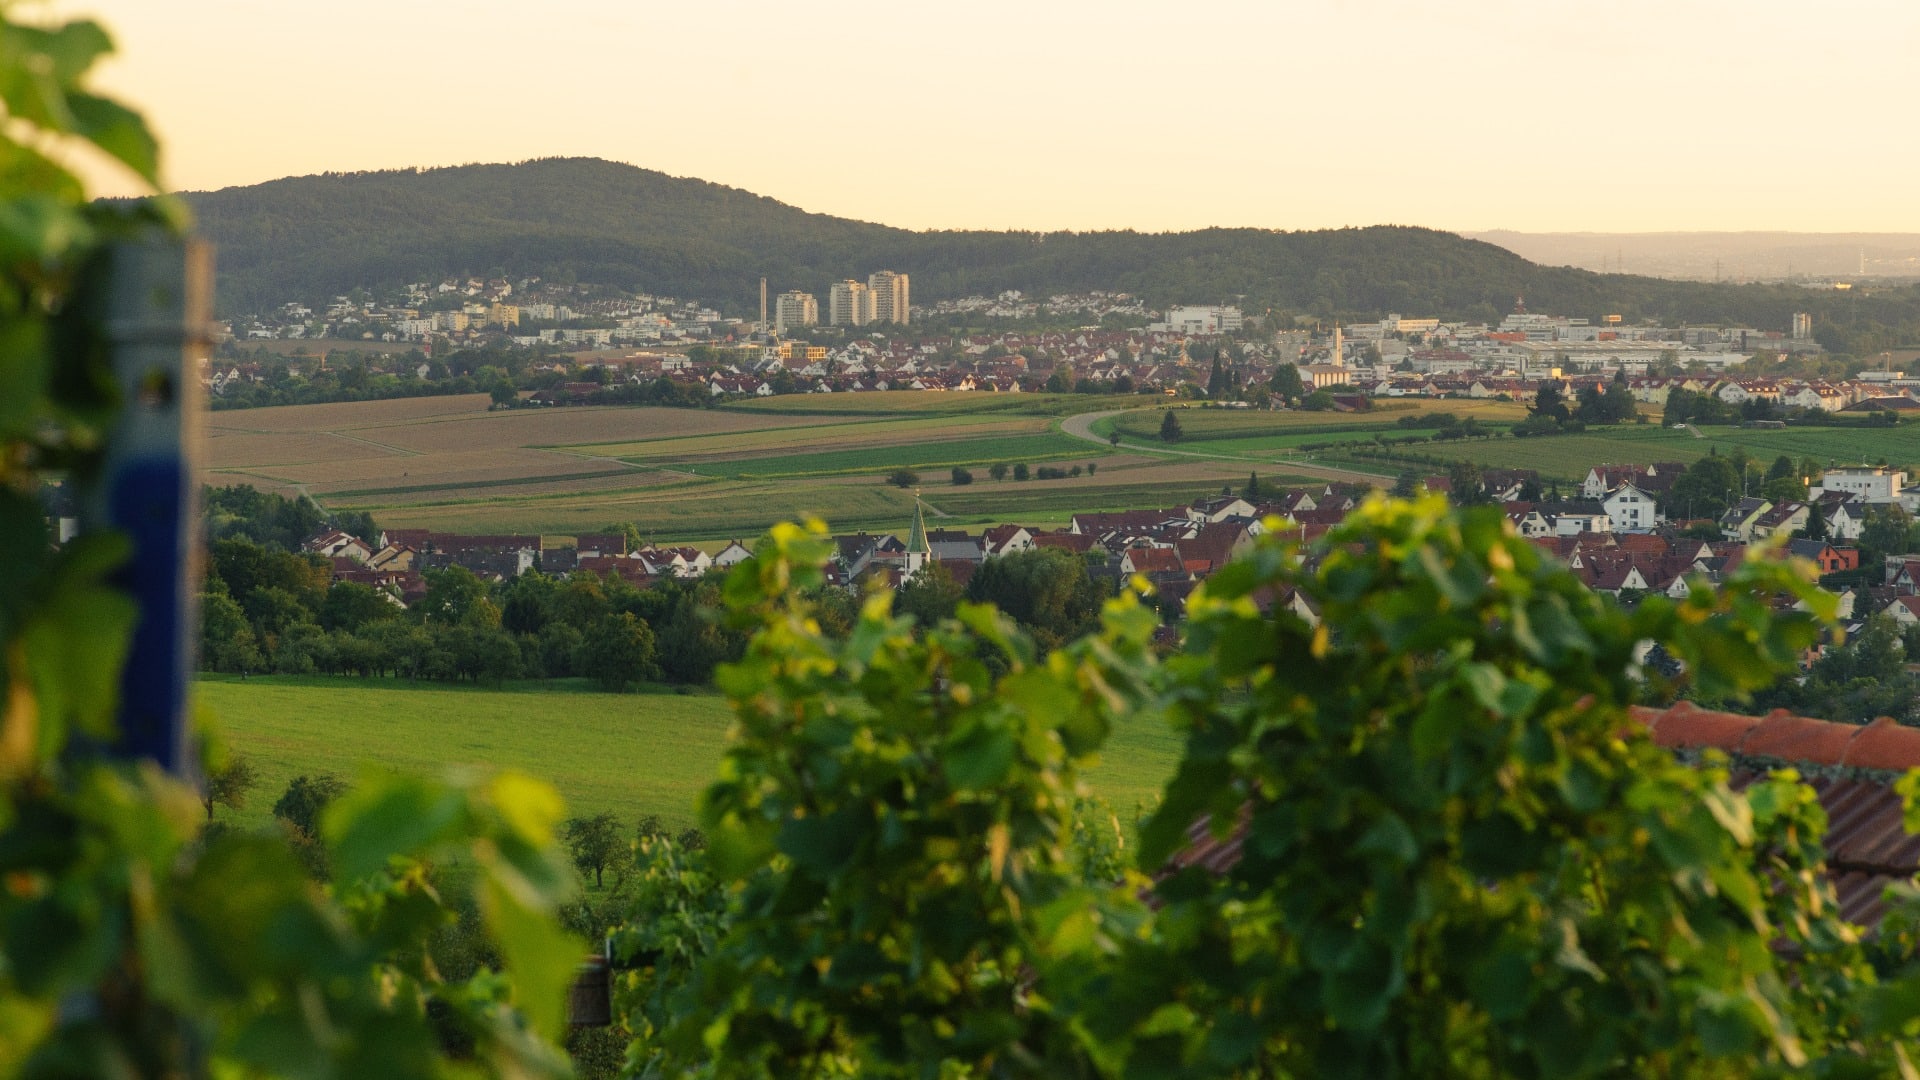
x,y
937,403
434,448
829,435
682,474
345,415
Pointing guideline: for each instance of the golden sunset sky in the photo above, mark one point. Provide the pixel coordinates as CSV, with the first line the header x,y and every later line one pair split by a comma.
x,y
1473,114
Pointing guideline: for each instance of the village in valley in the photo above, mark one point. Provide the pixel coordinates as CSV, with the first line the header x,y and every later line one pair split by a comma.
x,y
569,344
1615,536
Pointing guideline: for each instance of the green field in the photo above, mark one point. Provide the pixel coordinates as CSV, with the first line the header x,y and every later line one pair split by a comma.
x,y
1032,449
1236,425
633,754
1568,457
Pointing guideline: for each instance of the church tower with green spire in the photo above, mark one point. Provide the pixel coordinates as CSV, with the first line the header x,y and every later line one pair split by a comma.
x,y
919,551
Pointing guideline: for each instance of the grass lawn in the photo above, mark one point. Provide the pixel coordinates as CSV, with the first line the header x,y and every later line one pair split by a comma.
x,y
633,754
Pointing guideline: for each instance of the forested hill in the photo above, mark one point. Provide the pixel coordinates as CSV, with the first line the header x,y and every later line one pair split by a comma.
x,y
309,238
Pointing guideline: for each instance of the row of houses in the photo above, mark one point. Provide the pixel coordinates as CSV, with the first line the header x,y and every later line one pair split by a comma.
x,y
1614,536
396,563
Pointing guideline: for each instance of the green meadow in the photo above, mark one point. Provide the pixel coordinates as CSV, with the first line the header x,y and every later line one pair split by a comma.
x,y
1568,457
633,754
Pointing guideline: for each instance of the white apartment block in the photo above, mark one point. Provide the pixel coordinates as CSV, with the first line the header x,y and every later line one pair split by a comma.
x,y
849,303
1203,320
890,296
795,309
1874,484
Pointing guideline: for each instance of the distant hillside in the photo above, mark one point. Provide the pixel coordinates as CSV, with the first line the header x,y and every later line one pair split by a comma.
x,y
312,237
1722,256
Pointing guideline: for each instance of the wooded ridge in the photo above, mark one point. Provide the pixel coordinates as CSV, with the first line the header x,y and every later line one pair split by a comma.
x,y
311,237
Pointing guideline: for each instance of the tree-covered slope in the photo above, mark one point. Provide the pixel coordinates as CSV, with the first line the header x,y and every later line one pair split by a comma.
x,y
311,237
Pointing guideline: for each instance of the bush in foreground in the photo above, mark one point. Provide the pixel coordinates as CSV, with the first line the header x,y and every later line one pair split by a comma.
x,y
1460,857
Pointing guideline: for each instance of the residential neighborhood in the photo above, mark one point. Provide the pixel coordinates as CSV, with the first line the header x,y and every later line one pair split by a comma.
x,y
1614,537
577,342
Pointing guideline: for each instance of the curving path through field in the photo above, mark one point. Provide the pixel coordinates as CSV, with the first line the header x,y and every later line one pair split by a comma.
x,y
1081,427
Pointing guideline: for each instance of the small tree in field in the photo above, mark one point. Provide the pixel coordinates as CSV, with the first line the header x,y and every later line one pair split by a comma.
x,y
998,470
595,843
961,477
229,784
1170,427
903,478
306,797
1020,471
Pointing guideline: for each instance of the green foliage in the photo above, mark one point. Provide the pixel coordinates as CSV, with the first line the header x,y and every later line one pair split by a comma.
x,y
1046,590
1169,427
131,943
930,596
1612,405
903,478
1887,530
1856,683
1467,485
1460,857
900,849
229,783
595,843
1706,490
620,653
269,520
1437,793
1549,400
1286,383
306,798
687,912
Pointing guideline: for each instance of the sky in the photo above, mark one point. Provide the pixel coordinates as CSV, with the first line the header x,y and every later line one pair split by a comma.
x,y
1536,115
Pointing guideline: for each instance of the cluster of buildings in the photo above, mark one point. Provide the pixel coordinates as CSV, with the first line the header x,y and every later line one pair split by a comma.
x,y
397,563
885,298
1614,537
484,311
1095,306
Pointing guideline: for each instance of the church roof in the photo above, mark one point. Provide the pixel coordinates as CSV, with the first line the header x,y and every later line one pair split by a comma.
x,y
917,538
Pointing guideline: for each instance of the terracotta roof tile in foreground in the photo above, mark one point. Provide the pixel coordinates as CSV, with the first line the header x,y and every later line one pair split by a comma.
x,y
1885,745
1684,727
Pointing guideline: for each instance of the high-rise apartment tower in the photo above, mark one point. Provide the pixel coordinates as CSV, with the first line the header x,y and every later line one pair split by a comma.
x,y
849,303
890,301
795,309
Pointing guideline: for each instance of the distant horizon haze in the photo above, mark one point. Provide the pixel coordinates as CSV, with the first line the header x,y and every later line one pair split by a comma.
x,y
1070,115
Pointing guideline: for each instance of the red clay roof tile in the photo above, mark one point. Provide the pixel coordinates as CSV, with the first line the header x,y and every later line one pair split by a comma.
x,y
1799,739
1884,744
1686,727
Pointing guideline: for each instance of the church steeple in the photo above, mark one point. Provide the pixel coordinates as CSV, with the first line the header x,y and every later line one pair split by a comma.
x,y
917,536
919,550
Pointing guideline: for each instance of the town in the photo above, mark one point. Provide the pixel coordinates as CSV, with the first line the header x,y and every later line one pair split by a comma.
x,y
539,344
